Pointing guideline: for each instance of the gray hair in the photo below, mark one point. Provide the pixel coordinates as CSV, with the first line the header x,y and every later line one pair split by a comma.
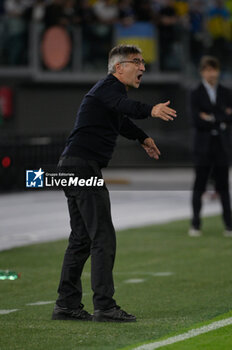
x,y
120,53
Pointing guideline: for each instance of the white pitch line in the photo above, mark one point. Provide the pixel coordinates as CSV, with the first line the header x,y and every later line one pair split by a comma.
x,y
135,280
41,303
162,274
47,302
155,274
5,312
190,334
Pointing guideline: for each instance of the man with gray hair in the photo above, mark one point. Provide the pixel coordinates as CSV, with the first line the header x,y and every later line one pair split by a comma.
x,y
105,112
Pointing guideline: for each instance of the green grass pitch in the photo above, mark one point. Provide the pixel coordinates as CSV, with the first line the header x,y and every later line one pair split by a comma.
x,y
199,289
217,340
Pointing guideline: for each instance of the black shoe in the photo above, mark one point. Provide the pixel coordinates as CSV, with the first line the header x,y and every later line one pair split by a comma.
x,y
113,315
63,313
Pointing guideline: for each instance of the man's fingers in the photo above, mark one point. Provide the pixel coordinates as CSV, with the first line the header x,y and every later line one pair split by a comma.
x,y
170,111
157,150
165,116
152,153
167,113
168,117
162,115
153,148
164,112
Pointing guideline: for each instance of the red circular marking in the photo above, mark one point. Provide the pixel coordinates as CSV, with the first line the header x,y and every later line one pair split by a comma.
x,y
6,162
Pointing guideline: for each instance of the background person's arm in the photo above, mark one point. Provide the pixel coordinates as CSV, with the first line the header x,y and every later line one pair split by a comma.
x,y
200,119
224,113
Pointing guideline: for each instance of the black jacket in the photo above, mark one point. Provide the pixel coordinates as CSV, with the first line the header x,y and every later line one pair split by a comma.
x,y
203,130
104,114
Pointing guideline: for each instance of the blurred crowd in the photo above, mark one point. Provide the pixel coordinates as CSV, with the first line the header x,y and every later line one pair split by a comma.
x,y
206,26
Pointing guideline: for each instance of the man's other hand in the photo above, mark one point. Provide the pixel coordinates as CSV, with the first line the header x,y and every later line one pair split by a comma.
x,y
163,112
207,117
151,148
229,111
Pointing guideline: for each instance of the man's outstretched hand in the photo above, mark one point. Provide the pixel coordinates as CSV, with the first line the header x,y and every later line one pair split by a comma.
x,y
151,148
163,112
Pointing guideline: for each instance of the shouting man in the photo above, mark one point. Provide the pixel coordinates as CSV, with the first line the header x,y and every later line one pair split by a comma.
x,y
105,113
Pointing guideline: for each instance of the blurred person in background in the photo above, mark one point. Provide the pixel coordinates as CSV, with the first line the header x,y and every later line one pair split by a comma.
x,y
70,11
218,26
228,5
85,12
197,29
106,11
211,112
156,5
2,11
16,29
54,14
79,13
144,10
86,19
182,7
126,12
2,31
182,11
105,112
38,10
167,25
107,14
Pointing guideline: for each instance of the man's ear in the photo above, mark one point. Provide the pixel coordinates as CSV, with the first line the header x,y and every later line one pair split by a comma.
x,y
118,68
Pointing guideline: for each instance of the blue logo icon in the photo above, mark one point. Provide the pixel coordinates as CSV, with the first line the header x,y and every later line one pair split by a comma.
x,y
34,178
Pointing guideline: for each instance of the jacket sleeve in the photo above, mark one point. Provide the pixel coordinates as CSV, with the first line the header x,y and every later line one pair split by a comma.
x,y
114,96
220,111
195,113
131,131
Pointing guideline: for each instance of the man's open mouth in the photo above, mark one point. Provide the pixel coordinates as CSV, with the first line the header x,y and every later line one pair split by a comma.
x,y
139,77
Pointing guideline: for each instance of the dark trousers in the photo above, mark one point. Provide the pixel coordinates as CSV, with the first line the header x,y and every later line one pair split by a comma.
x,y
214,166
92,234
